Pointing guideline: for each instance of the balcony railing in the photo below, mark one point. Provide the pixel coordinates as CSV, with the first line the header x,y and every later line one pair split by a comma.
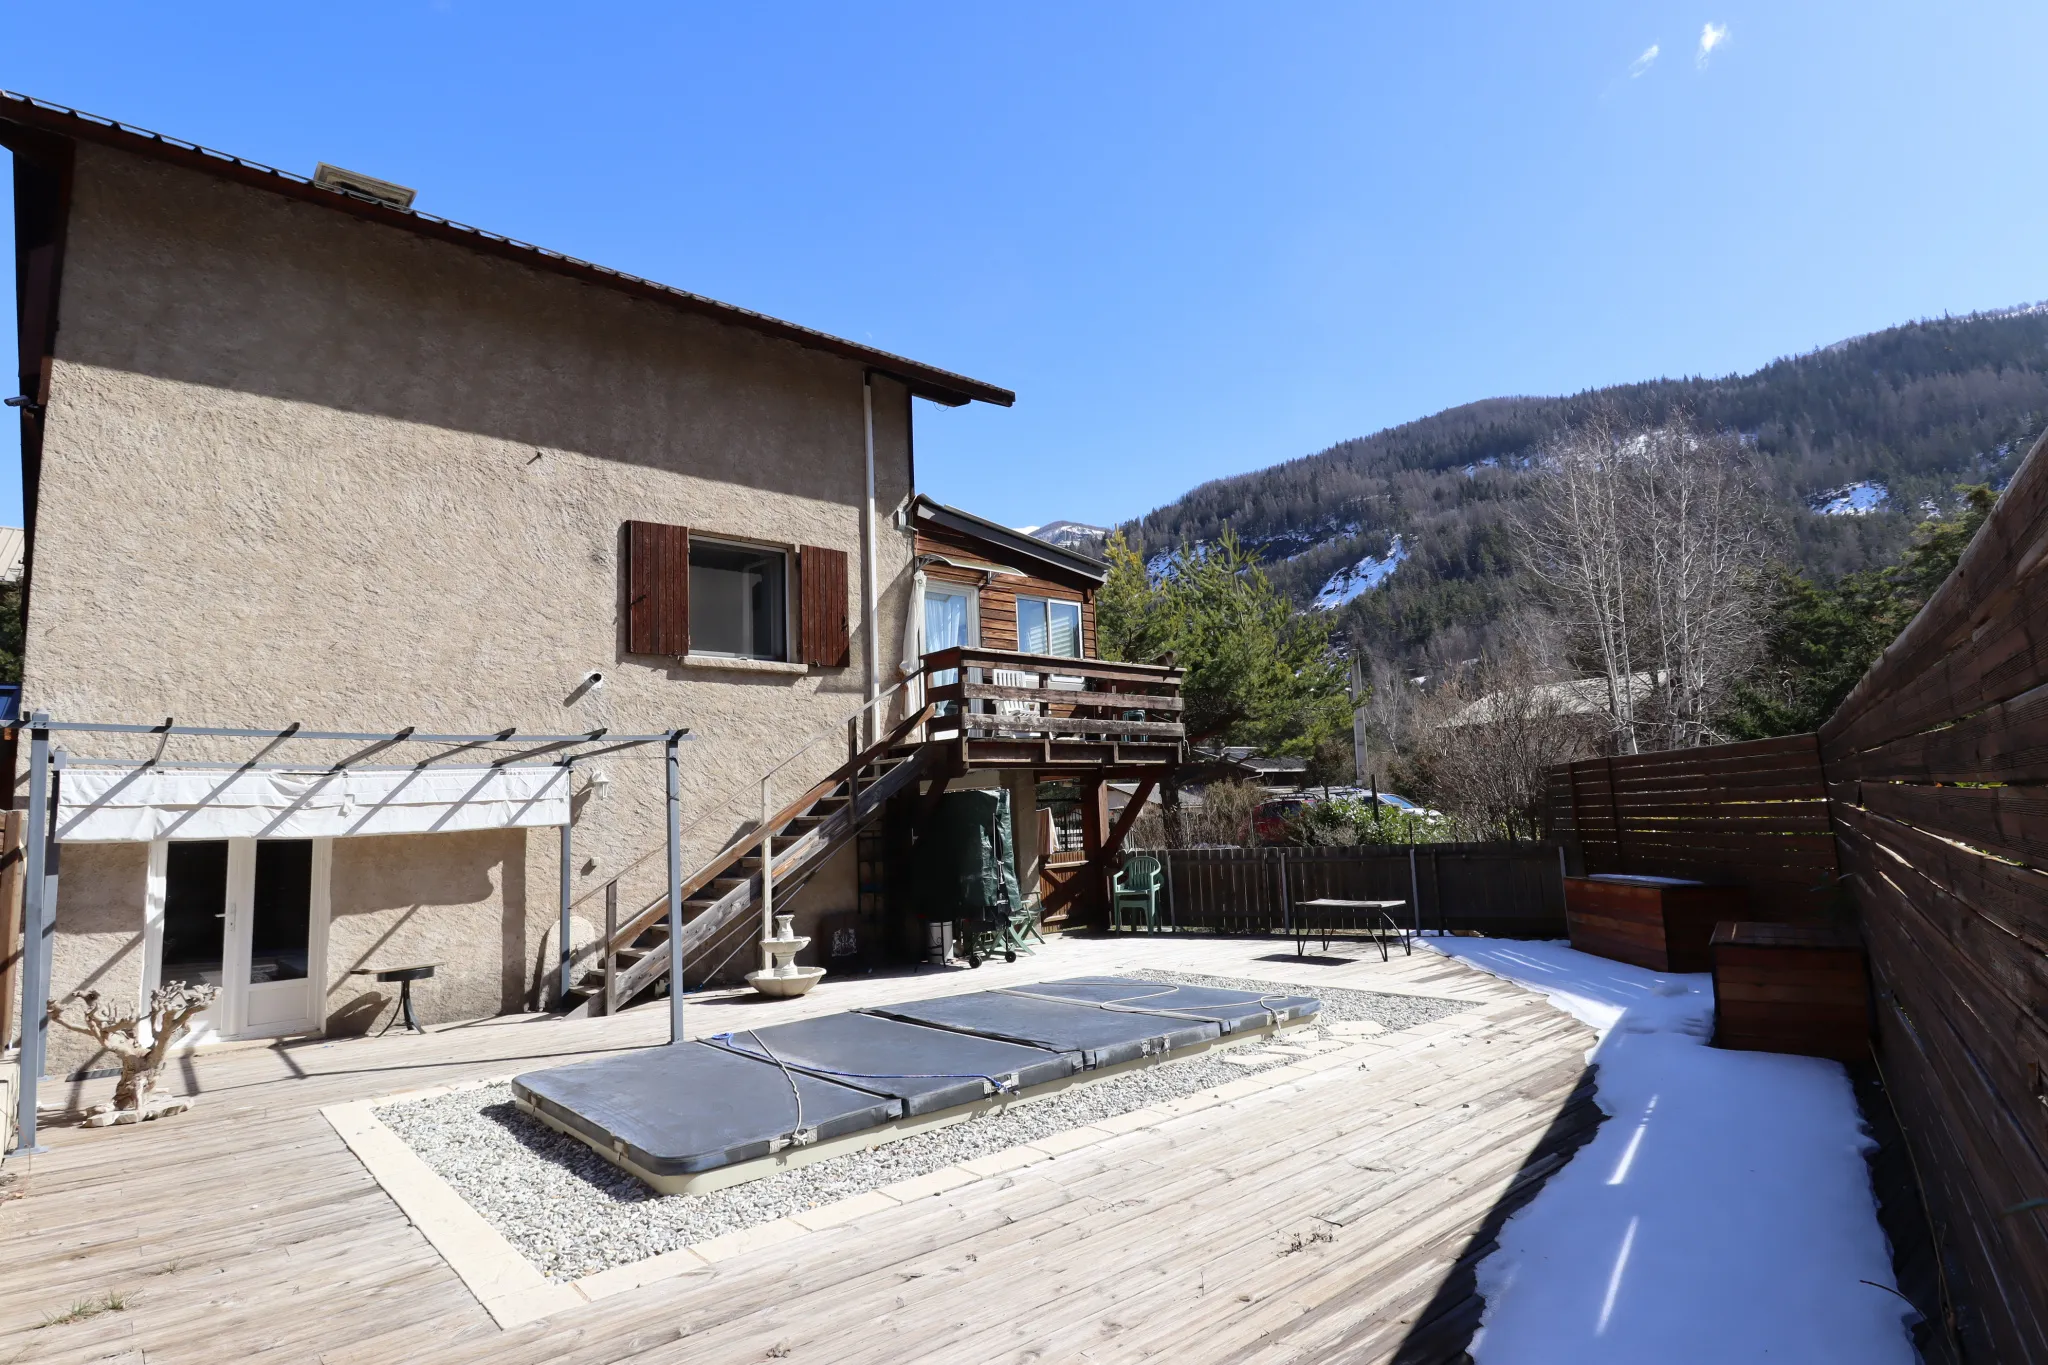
x,y
1052,711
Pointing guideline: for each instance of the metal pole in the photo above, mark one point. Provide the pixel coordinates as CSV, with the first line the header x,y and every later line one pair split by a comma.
x,y
1415,889
675,890
870,646
767,881
34,983
611,931
563,996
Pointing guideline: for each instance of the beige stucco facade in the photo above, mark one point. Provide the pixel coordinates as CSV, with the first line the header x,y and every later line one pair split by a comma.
x,y
300,466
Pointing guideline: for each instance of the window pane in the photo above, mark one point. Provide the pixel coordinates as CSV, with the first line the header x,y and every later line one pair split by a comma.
x,y
945,620
195,911
736,600
1031,627
1066,629
283,907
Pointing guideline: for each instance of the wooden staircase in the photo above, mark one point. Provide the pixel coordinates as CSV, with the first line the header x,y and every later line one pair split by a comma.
x,y
726,891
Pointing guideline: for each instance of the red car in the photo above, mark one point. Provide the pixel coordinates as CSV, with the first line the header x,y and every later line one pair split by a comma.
x,y
1270,818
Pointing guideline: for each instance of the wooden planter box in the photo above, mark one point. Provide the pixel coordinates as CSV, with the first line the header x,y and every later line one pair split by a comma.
x,y
1663,923
1791,988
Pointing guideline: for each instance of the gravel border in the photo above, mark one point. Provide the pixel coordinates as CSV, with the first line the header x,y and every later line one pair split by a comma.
x,y
572,1213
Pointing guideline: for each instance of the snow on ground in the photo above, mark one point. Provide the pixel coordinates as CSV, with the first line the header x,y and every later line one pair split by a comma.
x,y
1723,1212
1851,500
1357,580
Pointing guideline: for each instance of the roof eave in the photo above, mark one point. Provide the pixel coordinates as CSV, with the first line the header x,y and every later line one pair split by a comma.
x,y
925,381
1016,542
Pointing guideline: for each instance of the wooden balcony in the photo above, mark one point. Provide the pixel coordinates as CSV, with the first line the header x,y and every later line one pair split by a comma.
x,y
1052,714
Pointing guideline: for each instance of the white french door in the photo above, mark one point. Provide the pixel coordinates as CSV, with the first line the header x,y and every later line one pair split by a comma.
x,y
246,915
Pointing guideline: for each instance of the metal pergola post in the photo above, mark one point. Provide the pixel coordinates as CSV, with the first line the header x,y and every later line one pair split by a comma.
x,y
34,945
568,891
672,763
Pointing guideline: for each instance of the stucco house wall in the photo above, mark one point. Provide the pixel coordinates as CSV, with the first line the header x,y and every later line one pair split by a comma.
x,y
299,466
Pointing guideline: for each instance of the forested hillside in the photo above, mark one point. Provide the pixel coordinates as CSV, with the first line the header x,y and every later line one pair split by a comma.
x,y
1403,535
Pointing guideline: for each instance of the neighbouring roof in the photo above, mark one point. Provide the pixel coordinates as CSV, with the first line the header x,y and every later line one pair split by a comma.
x,y
1573,697
926,381
1013,547
13,547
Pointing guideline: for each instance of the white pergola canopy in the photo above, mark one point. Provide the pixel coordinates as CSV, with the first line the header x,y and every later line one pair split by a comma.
x,y
140,804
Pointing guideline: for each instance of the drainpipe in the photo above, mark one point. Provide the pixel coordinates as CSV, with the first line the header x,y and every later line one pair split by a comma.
x,y
869,644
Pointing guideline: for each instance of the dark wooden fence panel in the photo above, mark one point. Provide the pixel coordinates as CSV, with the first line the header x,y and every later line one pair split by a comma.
x,y
1502,890
1951,882
1925,797
1753,814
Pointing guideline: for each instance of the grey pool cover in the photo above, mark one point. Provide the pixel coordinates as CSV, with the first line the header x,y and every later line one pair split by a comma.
x,y
926,1068
683,1109
1102,1037
1232,1009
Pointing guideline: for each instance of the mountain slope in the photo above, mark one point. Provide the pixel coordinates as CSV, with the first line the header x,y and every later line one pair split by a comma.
x,y
1854,443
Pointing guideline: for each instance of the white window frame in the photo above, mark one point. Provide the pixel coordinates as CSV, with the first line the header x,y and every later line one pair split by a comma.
x,y
1080,622
789,572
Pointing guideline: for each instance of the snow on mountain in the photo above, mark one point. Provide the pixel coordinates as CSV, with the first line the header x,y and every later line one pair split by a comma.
x,y
1070,535
1851,500
1354,582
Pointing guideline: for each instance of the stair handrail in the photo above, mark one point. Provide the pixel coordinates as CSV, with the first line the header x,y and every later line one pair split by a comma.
x,y
747,843
852,725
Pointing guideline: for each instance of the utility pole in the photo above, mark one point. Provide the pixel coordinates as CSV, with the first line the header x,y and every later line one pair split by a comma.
x,y
1358,696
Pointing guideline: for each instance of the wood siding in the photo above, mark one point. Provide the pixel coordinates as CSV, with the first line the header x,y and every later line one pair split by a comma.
x,y
996,601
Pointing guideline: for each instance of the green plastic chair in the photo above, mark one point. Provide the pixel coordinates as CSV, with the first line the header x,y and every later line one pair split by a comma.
x,y
1136,888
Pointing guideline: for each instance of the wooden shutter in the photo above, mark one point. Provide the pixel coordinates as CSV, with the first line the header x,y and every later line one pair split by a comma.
x,y
657,588
821,607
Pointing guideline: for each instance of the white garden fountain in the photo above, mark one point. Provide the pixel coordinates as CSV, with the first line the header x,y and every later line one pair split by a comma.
x,y
781,976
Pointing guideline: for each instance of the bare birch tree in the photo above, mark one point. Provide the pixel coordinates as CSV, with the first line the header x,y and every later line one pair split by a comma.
x,y
1650,542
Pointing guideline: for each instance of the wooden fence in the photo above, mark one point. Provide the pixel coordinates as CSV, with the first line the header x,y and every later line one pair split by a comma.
x,y
1754,814
1922,800
1503,890
1934,766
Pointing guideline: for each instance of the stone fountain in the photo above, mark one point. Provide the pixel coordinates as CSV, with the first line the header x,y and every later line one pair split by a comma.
x,y
782,977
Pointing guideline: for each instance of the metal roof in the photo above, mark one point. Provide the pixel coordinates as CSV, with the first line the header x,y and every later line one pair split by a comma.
x,y
926,381
1014,544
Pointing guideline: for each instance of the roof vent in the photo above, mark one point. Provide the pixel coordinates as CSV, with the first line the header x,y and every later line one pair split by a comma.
x,y
363,186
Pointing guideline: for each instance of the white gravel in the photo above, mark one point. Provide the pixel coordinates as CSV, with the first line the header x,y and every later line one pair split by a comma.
x,y
571,1213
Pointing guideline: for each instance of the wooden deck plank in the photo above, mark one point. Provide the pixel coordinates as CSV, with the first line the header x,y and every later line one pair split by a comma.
x,y
1137,1245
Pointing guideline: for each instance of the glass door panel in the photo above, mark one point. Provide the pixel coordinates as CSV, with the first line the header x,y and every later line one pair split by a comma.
x,y
280,932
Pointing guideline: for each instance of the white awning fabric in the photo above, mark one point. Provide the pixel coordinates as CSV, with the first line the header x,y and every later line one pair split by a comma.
x,y
99,805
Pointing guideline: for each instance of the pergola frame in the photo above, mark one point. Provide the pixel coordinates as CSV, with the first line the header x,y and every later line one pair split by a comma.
x,y
41,846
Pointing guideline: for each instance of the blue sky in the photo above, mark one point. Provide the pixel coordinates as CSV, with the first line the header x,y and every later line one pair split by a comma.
x,y
1195,239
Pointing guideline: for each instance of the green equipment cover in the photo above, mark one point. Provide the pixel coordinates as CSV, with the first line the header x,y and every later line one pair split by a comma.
x,y
963,866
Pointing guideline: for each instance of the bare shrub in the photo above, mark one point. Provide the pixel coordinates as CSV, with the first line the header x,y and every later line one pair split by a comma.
x,y
1222,816
1485,742
1650,545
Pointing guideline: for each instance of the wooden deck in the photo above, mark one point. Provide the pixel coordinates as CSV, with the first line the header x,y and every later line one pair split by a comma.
x,y
1314,1222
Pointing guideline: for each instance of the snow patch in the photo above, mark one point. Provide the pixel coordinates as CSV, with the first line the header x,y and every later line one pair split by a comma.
x,y
1490,462
1351,583
1851,500
1722,1213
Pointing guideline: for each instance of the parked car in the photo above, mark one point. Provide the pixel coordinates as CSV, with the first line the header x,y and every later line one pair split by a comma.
x,y
1270,818
1387,799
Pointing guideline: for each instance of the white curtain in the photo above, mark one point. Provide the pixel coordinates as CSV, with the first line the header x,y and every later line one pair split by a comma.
x,y
130,804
